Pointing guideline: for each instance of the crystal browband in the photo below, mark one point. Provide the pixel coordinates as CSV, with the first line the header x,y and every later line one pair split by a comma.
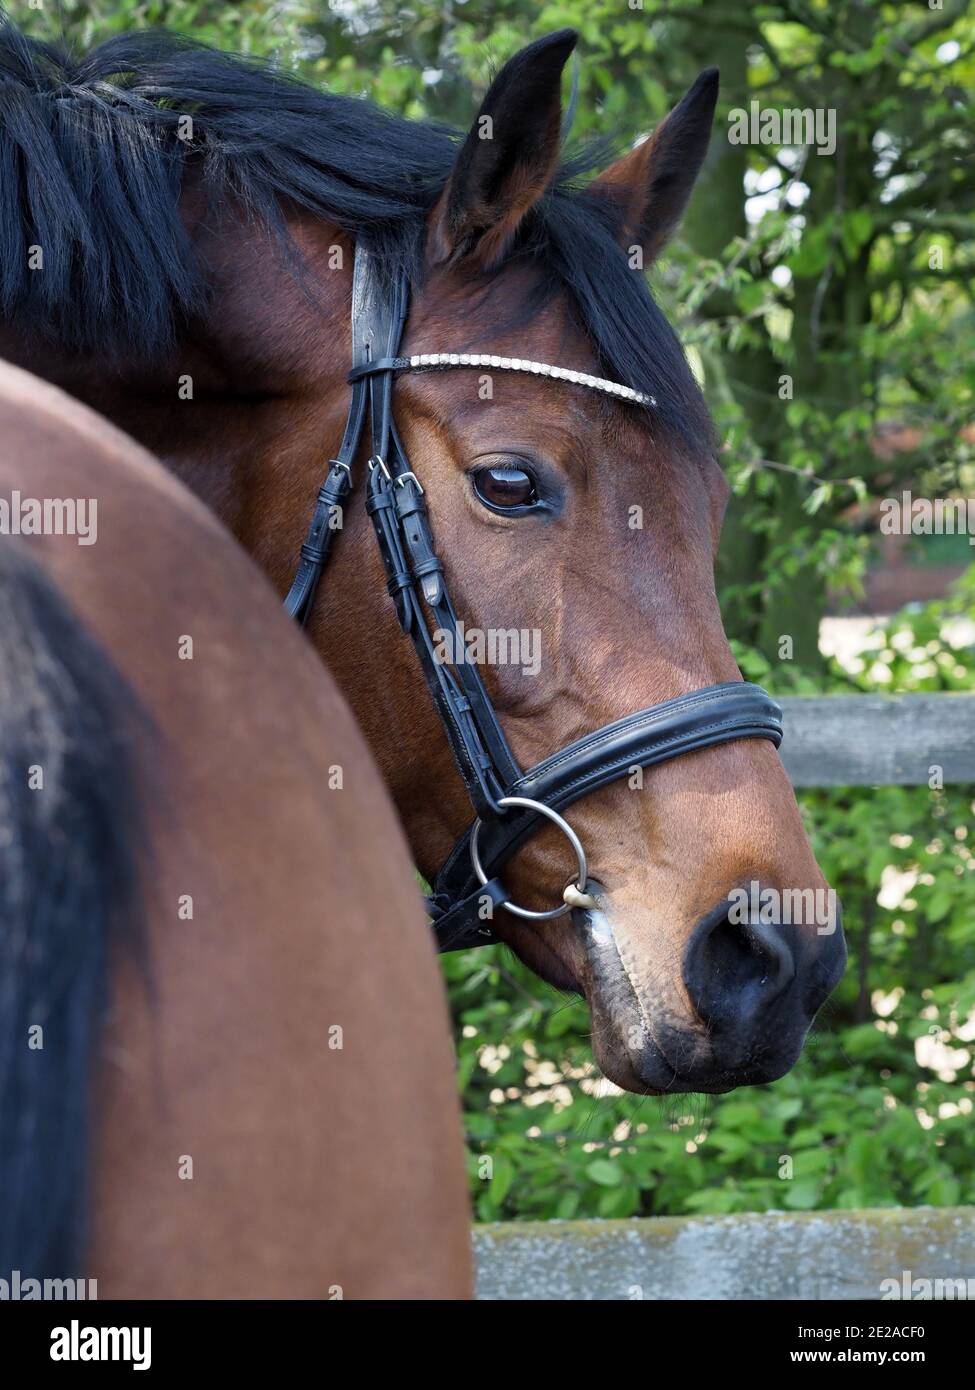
x,y
434,361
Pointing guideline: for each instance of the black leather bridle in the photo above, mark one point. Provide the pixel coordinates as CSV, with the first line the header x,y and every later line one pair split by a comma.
x,y
510,804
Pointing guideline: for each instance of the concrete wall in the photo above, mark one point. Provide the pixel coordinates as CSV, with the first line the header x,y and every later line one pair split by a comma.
x,y
810,1255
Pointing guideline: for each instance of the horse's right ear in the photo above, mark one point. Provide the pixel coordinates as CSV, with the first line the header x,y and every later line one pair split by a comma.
x,y
507,160
649,187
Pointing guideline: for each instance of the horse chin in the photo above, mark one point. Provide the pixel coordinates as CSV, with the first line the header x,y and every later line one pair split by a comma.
x,y
650,1055
655,1076
617,1015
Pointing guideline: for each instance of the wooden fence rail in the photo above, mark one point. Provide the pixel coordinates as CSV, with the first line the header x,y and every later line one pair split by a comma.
x,y
878,740
897,1253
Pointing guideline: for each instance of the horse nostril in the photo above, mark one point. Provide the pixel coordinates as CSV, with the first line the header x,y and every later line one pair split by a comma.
x,y
734,970
769,946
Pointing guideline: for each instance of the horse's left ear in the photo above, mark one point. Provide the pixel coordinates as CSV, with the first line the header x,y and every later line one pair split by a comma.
x,y
508,159
651,185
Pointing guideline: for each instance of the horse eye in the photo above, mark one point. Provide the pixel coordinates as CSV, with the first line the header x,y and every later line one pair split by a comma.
x,y
504,488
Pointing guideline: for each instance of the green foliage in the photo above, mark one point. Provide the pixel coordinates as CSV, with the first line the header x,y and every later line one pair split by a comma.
x,y
254,27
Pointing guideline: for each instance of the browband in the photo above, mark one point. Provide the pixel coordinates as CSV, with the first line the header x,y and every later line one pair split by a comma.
x,y
434,361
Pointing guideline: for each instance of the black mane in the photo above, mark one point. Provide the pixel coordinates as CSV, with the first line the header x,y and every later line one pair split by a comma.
x,y
92,159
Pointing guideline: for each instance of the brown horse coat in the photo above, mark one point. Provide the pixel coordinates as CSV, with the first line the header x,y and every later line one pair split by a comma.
x,y
274,1109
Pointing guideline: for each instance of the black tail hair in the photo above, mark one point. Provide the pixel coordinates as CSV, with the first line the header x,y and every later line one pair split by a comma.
x,y
70,841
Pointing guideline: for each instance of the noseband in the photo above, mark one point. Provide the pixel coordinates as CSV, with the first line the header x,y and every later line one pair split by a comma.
x,y
510,804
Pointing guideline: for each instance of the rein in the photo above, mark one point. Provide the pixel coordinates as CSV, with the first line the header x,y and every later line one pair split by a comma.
x,y
509,803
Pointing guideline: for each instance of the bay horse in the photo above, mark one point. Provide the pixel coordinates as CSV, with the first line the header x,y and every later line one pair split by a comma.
x,y
198,218
217,992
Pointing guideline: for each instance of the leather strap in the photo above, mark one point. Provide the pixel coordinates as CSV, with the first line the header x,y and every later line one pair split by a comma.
x,y
372,329
414,572
415,579
382,366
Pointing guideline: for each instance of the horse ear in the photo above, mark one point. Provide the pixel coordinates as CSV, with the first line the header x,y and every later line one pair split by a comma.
x,y
508,159
651,185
